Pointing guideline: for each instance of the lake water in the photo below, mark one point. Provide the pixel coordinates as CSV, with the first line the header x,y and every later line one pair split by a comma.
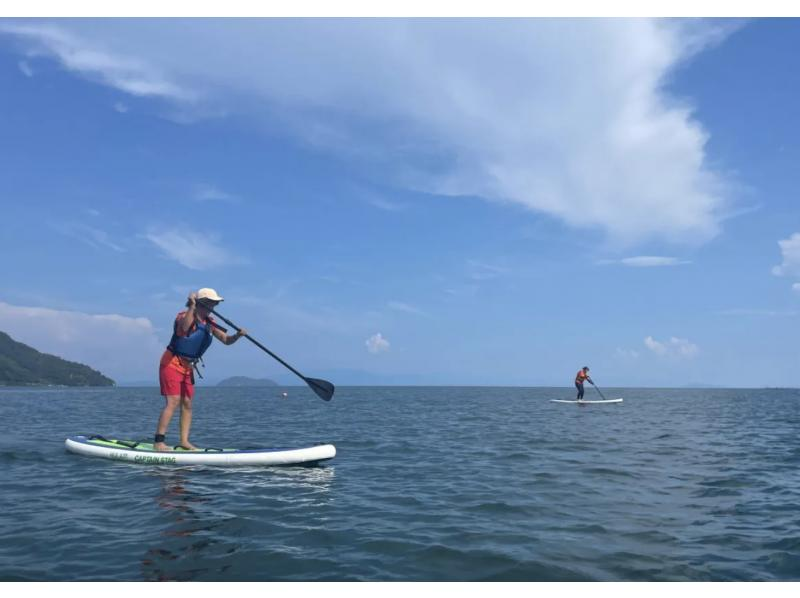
x,y
442,483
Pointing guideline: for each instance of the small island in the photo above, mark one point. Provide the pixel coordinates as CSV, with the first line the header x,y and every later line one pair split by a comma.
x,y
245,381
21,365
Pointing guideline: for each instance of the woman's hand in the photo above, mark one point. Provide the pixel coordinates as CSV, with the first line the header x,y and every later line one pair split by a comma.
x,y
229,340
193,299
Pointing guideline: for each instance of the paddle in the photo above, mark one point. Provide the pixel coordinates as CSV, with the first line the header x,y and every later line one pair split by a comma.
x,y
323,388
593,384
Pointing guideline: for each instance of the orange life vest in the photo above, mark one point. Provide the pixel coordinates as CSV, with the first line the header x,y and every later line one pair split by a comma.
x,y
580,377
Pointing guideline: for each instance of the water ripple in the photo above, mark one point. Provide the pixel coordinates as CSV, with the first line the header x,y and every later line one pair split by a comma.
x,y
428,484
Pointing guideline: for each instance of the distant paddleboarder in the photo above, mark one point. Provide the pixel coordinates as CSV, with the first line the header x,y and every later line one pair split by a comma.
x,y
581,377
192,333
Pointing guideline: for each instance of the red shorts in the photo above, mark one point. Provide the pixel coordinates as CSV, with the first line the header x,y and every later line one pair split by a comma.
x,y
175,383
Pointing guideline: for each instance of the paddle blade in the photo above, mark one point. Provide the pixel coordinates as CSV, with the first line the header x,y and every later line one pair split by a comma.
x,y
323,388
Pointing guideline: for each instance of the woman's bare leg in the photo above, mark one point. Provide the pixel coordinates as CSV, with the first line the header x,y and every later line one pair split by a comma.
x,y
186,422
163,421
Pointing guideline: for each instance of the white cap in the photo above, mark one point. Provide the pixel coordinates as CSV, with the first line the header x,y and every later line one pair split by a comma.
x,y
208,294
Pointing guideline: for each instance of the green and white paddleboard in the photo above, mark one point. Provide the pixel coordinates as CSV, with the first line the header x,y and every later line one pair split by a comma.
x,y
143,452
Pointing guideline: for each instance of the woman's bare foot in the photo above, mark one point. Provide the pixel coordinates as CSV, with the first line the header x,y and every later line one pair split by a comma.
x,y
160,446
188,446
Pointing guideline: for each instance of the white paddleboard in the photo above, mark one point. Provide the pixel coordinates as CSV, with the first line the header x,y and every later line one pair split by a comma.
x,y
586,402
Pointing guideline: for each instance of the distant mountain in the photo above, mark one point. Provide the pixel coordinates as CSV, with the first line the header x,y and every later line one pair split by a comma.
x,y
21,365
245,381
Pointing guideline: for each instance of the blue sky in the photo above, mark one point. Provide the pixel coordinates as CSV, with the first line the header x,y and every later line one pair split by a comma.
x,y
390,201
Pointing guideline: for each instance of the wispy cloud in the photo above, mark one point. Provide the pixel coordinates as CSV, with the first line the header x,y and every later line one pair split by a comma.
x,y
380,201
406,308
90,59
386,205
759,312
377,344
463,290
286,312
790,249
652,261
204,192
646,261
25,68
479,270
626,354
121,107
195,250
674,347
570,118
90,235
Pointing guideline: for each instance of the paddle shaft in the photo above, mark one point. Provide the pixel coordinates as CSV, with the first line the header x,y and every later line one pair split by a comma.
x,y
259,345
598,390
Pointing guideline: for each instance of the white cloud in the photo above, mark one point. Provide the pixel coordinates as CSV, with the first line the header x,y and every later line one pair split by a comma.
x,y
121,107
377,344
25,68
194,250
790,248
121,347
651,261
674,347
92,60
654,346
570,118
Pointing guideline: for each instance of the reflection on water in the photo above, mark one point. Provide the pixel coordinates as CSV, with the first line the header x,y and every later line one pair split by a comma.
x,y
317,479
204,514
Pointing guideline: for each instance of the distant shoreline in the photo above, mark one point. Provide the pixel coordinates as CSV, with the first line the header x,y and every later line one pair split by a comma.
x,y
59,386
214,385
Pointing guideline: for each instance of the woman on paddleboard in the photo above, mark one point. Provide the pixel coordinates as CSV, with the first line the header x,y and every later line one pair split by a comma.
x,y
580,377
192,333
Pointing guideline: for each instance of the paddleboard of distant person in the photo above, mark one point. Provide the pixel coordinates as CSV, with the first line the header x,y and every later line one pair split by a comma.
x,y
607,401
132,451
